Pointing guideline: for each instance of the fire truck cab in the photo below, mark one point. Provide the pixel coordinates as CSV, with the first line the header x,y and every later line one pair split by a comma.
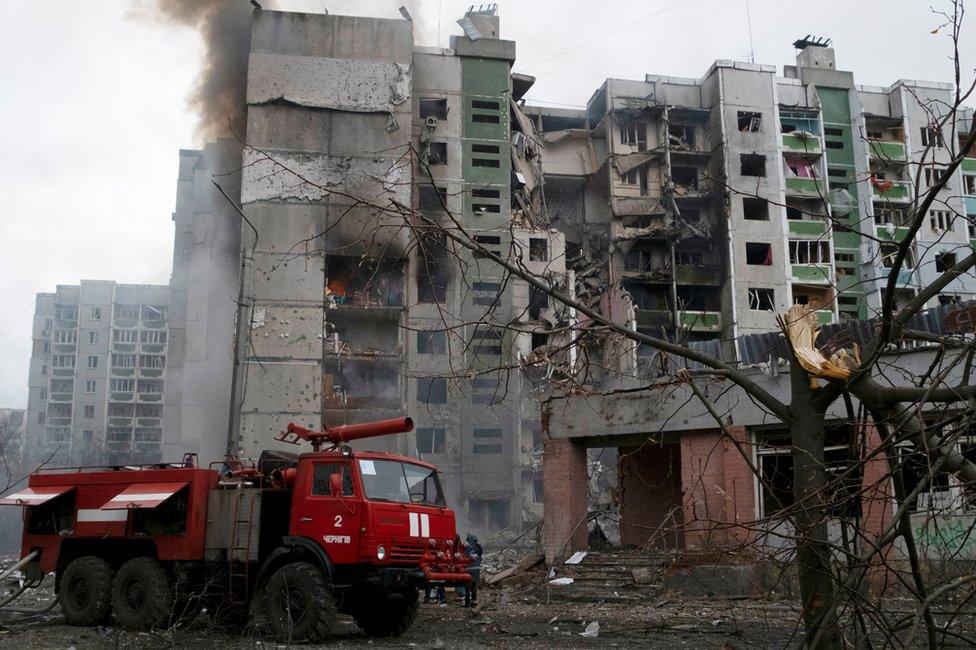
x,y
299,538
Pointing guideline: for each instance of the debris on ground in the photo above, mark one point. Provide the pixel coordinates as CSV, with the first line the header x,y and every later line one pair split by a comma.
x,y
522,616
576,557
514,574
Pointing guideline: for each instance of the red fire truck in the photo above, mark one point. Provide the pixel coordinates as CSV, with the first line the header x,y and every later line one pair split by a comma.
x,y
301,538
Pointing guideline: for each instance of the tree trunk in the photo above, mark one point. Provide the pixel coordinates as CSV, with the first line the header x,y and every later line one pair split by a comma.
x,y
811,512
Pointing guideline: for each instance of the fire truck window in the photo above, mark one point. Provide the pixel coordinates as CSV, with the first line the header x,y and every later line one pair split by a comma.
x,y
320,479
53,517
388,480
423,485
168,518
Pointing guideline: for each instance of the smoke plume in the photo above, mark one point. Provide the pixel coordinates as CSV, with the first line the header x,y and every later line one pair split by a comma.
x,y
219,95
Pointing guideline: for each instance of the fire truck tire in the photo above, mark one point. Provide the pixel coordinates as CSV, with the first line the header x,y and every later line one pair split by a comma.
x,y
86,591
298,603
380,613
142,595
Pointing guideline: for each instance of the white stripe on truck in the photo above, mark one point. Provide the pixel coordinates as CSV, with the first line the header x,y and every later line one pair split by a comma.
x,y
414,526
153,496
102,515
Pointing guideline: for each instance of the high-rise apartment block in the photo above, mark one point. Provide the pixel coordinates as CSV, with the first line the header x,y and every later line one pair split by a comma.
x,y
98,372
357,309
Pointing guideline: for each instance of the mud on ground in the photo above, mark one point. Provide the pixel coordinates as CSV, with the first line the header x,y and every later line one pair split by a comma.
x,y
526,616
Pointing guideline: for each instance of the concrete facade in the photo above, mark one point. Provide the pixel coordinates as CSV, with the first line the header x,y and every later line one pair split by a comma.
x,y
354,312
204,287
706,206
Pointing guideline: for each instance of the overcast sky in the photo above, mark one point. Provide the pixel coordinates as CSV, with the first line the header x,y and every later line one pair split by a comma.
x,y
93,107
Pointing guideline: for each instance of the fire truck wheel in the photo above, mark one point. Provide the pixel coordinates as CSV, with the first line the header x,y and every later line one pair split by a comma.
x,y
142,595
299,604
86,591
381,613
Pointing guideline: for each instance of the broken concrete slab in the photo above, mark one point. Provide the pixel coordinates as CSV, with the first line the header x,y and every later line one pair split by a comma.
x,y
357,85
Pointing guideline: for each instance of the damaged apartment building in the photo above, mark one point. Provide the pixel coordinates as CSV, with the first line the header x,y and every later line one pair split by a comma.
x,y
698,209
357,308
695,209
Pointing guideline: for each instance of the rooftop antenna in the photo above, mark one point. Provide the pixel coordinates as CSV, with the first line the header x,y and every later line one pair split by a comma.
x,y
752,45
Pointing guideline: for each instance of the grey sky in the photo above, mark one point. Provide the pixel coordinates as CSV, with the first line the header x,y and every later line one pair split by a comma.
x,y
93,103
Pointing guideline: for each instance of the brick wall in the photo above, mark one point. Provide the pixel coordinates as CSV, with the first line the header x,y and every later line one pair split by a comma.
x,y
740,486
718,489
565,494
650,486
877,508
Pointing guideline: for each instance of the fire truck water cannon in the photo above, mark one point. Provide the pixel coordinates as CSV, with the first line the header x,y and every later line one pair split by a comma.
x,y
345,433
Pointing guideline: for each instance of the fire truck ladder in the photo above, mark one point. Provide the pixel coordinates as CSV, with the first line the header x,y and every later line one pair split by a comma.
x,y
239,549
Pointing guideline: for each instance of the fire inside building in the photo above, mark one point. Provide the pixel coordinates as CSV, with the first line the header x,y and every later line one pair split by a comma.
x,y
306,288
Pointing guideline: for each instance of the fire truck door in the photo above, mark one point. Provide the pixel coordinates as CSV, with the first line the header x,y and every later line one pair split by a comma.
x,y
331,520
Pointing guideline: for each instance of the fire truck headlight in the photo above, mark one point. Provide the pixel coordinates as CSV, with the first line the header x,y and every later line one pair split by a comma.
x,y
380,552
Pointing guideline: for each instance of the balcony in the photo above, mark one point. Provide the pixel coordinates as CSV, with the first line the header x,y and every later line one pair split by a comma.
x,y
825,317
893,191
698,274
150,397
969,164
701,321
152,348
123,372
812,273
970,203
895,234
886,150
150,372
149,422
801,142
804,186
120,397
808,228
60,397
119,422
696,321
904,276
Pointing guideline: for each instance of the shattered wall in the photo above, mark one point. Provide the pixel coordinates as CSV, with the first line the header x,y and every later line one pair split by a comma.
x,y
328,114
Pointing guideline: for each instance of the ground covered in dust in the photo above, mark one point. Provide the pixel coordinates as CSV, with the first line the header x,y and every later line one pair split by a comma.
x,y
526,617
